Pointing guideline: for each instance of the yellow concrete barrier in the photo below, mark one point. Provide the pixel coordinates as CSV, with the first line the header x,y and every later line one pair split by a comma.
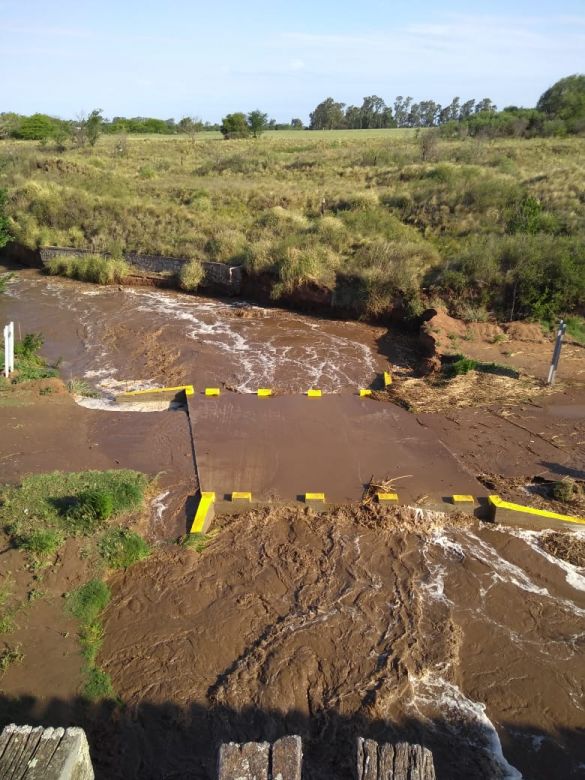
x,y
387,379
239,495
201,520
460,498
387,497
212,391
314,496
264,392
364,393
314,393
519,512
188,390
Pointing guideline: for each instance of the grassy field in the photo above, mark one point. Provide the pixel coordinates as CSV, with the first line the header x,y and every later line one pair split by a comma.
x,y
382,217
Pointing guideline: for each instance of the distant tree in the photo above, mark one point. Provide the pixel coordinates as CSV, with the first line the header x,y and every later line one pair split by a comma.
x,y
93,125
372,112
467,109
235,126
485,106
429,112
296,124
38,127
9,124
565,99
190,125
258,122
353,117
328,115
402,110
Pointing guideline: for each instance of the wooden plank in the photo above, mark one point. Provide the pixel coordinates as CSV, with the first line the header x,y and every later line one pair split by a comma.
x,y
71,759
287,758
367,756
27,754
247,761
401,761
386,762
13,750
48,744
6,736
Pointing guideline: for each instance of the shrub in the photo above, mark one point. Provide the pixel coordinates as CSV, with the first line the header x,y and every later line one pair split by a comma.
x,y
121,548
191,275
564,490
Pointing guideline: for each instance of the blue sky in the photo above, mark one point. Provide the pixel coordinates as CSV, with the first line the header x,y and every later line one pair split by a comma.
x,y
171,58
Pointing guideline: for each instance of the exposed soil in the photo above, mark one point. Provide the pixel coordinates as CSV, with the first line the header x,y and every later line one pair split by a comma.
x,y
544,437
519,345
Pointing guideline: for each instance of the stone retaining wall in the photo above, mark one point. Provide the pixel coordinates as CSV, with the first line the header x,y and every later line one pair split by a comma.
x,y
219,275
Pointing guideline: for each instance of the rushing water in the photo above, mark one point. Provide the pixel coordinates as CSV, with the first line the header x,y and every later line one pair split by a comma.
x,y
512,674
138,337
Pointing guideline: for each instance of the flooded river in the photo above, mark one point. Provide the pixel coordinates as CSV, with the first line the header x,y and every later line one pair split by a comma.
x,y
468,636
136,337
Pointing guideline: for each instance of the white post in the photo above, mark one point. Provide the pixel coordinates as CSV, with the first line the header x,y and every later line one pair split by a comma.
x,y
11,335
8,348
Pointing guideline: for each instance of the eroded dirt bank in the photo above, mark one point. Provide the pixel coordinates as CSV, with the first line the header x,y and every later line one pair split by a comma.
x,y
360,621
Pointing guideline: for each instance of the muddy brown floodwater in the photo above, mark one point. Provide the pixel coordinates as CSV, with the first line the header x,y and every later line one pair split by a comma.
x,y
395,623
136,337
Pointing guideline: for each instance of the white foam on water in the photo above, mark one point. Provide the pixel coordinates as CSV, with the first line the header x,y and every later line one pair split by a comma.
x,y
158,507
317,357
431,690
574,575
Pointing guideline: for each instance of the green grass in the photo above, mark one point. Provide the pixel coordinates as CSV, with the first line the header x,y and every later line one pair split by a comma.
x,y
121,548
88,601
68,503
87,604
576,328
28,364
198,542
6,611
41,543
98,685
81,387
90,268
463,365
488,226
10,656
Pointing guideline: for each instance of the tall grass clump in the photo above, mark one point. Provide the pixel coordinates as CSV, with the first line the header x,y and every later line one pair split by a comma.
x,y
121,548
89,268
191,275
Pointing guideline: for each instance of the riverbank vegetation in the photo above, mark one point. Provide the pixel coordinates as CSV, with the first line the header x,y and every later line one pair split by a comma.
x,y
90,268
373,220
77,515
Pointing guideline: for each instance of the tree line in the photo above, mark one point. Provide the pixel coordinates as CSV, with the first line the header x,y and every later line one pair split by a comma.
x,y
559,111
